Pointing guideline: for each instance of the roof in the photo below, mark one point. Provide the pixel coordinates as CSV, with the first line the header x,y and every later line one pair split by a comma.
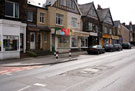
x,y
102,13
84,8
41,3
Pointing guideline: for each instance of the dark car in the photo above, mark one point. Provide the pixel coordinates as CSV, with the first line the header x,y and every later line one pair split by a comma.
x,y
108,47
126,45
117,47
96,49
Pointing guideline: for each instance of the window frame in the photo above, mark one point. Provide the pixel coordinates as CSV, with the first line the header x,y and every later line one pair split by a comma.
x,y
59,19
42,17
14,9
31,16
90,26
74,22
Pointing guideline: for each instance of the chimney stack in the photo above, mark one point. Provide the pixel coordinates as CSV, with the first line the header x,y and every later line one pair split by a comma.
x,y
99,7
124,24
130,23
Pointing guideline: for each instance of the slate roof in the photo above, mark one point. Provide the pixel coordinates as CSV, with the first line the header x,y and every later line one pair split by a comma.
x,y
102,13
84,8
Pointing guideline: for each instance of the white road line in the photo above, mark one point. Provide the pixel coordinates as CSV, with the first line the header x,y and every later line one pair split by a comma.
x,y
38,84
24,88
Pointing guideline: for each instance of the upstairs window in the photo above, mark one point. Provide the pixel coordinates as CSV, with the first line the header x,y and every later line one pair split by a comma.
x,y
105,30
63,2
110,31
29,16
90,26
74,22
59,19
11,9
71,4
42,17
96,29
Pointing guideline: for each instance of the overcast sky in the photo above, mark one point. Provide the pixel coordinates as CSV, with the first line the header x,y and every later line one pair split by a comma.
x,y
123,10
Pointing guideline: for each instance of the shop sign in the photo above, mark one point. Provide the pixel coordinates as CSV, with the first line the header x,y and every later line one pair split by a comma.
x,y
93,34
61,31
115,37
106,36
80,34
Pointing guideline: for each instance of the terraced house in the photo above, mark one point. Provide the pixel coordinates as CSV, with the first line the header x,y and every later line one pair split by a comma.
x,y
106,25
90,22
12,28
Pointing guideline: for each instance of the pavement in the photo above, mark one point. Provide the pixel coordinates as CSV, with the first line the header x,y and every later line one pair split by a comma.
x,y
41,60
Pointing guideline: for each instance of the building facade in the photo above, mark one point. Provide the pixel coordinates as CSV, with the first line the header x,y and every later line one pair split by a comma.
x,y
12,28
90,22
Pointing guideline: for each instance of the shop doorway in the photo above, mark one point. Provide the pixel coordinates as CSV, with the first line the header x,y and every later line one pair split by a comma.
x,y
32,40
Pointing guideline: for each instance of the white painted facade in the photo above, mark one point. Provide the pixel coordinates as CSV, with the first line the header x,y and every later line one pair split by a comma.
x,y
11,28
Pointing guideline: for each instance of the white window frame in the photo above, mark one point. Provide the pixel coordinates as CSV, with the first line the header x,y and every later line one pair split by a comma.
x,y
85,40
71,4
74,22
14,9
63,2
42,17
59,17
110,31
31,16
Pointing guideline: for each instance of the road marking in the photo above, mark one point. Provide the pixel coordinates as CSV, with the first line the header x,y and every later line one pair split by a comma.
x,y
90,70
24,88
40,85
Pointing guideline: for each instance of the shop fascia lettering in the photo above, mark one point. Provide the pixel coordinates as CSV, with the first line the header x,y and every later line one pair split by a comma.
x,y
62,31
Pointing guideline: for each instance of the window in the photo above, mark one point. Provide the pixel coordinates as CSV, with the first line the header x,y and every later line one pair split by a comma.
x,y
42,17
96,29
63,2
92,12
74,41
10,43
105,30
84,41
12,9
90,26
74,22
110,31
71,4
29,16
63,41
59,19
32,37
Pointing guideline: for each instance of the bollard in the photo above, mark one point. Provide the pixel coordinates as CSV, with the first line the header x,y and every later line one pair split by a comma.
x,y
69,55
57,56
54,53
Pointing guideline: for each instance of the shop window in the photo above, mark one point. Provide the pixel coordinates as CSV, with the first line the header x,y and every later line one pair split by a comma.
x,y
30,16
59,19
10,43
11,9
84,41
74,22
42,17
74,41
63,41
90,26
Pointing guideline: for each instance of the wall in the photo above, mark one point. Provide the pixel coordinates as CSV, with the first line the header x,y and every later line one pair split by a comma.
x,y
125,33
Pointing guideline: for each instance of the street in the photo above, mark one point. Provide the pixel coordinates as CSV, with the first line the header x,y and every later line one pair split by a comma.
x,y
112,71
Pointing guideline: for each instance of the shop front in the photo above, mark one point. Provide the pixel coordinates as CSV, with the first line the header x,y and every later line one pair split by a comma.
x,y
79,40
106,39
93,39
60,39
115,39
12,39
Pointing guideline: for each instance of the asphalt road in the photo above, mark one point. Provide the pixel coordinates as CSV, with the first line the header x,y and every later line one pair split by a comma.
x,y
113,71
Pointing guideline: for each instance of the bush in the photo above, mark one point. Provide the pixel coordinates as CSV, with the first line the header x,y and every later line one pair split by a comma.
x,y
31,54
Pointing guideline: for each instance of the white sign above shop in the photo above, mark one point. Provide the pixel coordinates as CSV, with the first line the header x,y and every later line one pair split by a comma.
x,y
93,34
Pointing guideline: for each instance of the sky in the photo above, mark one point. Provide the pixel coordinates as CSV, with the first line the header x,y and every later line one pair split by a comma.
x,y
123,10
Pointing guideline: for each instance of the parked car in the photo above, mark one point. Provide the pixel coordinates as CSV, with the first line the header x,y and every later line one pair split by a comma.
x,y
117,47
108,47
95,49
126,45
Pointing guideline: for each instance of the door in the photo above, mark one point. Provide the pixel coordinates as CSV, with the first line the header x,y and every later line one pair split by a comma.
x,y
32,40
